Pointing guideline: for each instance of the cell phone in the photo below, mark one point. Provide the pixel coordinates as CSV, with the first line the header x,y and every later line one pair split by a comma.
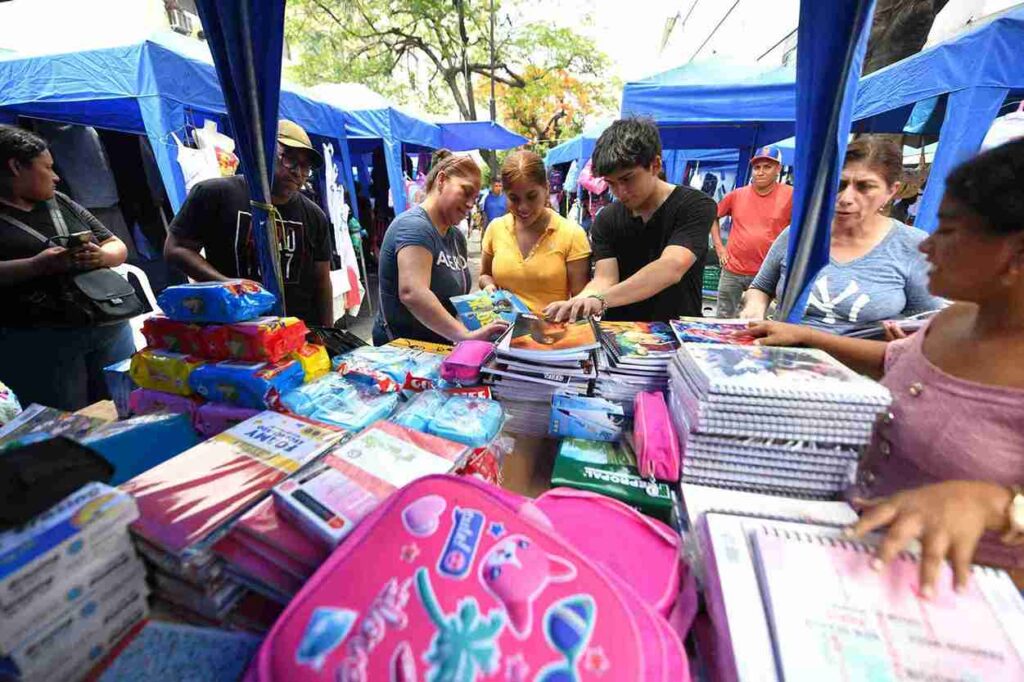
x,y
77,240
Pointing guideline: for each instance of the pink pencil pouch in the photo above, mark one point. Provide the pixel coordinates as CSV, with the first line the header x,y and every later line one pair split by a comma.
x,y
463,365
657,448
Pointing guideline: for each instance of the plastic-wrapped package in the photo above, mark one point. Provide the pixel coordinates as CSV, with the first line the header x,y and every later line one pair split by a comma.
x,y
120,385
179,337
148,401
162,370
485,463
265,524
420,410
390,368
236,300
335,400
314,360
213,418
255,385
265,339
472,421
186,499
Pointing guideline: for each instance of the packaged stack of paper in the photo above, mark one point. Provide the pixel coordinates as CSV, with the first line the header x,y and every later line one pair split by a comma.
x,y
187,503
351,481
71,586
788,421
634,358
535,360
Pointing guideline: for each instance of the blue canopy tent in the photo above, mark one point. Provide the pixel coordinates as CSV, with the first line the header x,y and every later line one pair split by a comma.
x,y
153,88
371,121
717,105
579,148
462,136
975,73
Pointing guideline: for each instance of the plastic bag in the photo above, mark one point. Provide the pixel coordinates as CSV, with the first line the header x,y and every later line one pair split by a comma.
x,y
162,370
236,300
420,410
314,360
254,385
264,339
472,421
335,400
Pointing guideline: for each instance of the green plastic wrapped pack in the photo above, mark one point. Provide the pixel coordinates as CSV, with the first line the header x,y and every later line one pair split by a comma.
x,y
610,469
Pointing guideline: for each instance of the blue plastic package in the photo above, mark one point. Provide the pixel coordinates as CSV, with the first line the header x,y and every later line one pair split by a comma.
x,y
421,410
391,368
136,445
258,385
472,421
236,300
334,400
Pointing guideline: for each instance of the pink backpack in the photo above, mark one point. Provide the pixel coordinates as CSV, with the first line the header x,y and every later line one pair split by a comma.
x,y
453,579
657,447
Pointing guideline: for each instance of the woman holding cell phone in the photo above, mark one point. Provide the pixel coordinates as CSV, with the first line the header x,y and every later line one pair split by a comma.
x,y
45,357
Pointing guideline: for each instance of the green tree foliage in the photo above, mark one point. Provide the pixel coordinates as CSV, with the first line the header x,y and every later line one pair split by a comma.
x,y
436,53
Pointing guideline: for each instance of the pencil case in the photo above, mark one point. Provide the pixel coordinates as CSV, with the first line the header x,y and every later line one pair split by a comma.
x,y
464,363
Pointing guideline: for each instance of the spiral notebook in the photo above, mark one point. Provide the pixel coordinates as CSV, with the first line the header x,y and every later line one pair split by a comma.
x,y
798,373
833,618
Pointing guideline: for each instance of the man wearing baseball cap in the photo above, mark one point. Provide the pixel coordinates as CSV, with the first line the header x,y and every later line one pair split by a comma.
x,y
217,217
760,211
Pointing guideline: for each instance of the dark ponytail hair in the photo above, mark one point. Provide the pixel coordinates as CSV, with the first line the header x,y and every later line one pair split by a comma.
x,y
444,161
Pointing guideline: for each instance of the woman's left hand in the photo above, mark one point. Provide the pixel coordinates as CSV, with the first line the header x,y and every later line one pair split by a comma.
x,y
948,518
87,257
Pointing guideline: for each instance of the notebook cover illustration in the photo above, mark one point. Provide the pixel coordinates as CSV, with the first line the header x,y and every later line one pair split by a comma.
x,y
534,335
705,330
480,309
782,371
639,340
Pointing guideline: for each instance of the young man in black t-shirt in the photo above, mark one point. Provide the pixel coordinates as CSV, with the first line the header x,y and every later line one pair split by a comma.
x,y
649,246
217,216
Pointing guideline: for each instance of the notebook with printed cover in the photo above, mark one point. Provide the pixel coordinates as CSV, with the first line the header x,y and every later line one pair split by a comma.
x,y
768,371
185,500
834,618
480,309
707,330
638,343
534,338
727,571
699,500
328,501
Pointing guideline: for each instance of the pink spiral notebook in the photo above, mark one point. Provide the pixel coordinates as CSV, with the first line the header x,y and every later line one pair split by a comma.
x,y
834,618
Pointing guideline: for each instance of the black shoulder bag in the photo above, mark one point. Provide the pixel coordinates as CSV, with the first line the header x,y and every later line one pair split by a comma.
x,y
94,298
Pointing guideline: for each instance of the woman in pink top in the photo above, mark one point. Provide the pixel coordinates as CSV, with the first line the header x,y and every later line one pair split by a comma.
x,y
947,461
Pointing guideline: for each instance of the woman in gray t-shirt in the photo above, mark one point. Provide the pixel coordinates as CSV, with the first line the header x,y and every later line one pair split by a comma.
x,y
875,270
423,260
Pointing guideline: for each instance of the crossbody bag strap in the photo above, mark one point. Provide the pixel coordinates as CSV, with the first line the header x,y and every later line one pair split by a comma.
x,y
57,217
24,228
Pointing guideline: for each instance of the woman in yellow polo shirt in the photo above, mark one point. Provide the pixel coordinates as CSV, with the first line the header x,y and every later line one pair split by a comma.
x,y
532,251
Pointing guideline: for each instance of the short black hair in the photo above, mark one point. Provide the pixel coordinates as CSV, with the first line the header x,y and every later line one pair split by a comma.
x,y
18,144
627,143
990,186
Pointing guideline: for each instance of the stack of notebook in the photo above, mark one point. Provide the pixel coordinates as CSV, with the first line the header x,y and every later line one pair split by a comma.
x,y
536,359
792,601
789,421
634,357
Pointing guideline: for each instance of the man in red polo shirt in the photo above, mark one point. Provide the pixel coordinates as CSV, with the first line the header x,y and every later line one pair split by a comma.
x,y
760,211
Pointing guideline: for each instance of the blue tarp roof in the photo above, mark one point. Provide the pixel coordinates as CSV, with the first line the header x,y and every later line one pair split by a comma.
x,y
461,136
716,104
144,88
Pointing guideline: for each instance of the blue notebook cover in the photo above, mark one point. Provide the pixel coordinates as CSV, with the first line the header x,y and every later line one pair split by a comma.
x,y
479,308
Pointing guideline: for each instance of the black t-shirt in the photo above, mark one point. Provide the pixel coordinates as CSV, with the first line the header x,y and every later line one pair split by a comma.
x,y
218,216
16,244
684,219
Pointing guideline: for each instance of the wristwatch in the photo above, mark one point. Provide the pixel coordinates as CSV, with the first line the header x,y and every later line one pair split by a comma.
x,y
1014,534
604,303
